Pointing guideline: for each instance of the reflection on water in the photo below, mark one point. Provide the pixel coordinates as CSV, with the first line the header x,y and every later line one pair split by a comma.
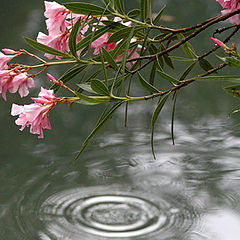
x,y
118,191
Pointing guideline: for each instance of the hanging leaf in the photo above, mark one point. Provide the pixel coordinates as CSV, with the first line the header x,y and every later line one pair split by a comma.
x,y
173,116
168,77
158,17
155,115
108,57
68,75
86,87
205,65
91,99
99,87
233,90
143,10
232,62
44,48
187,71
234,110
120,5
234,79
103,119
133,13
186,47
86,9
73,37
124,32
147,85
182,59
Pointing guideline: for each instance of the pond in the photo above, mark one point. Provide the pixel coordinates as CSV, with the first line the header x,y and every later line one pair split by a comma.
x,y
117,190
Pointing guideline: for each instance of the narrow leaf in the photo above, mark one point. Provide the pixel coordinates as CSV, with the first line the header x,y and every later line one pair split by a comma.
x,y
133,13
205,64
232,62
90,99
182,59
144,10
235,79
86,87
146,84
72,38
86,9
168,77
120,5
234,110
68,75
109,58
158,17
99,87
44,48
103,119
155,116
187,71
173,116
186,47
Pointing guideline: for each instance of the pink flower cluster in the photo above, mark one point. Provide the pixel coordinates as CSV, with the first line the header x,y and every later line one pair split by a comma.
x,y
59,24
13,78
231,5
36,114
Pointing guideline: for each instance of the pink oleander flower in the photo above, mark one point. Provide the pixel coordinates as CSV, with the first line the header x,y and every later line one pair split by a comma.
x,y
14,79
231,5
4,59
59,24
102,42
36,114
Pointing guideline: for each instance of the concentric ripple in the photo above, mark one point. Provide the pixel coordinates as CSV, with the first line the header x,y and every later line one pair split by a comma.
x,y
71,213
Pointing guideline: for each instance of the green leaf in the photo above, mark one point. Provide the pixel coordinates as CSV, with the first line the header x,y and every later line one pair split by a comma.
x,y
143,10
186,47
103,119
182,59
168,77
155,116
146,84
232,62
44,48
205,65
109,58
157,18
86,9
72,38
124,33
92,37
68,75
86,87
99,87
87,103
173,115
233,90
234,79
234,110
120,5
134,13
90,99
187,71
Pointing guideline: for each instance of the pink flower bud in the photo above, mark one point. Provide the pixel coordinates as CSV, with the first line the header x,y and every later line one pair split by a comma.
x,y
9,51
220,43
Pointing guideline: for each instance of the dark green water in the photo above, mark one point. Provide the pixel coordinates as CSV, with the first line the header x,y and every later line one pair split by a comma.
x,y
117,190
